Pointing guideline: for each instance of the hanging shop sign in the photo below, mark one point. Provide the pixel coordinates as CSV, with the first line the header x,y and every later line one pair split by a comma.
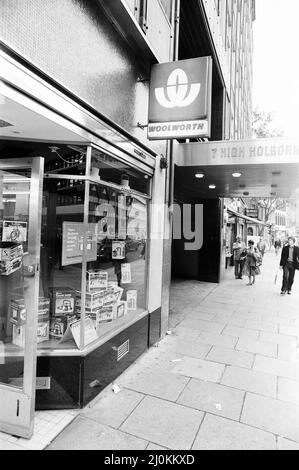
x,y
180,99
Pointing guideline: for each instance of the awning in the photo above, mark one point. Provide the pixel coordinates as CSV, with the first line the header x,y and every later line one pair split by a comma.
x,y
245,217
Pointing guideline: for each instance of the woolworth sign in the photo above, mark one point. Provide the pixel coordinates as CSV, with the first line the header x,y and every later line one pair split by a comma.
x,y
180,99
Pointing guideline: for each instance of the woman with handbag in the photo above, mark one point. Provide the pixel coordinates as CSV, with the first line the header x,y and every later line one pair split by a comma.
x,y
252,263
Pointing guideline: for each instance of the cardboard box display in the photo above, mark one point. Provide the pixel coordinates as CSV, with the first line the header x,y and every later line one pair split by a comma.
x,y
18,333
93,300
18,311
11,258
104,315
62,301
120,309
58,325
96,280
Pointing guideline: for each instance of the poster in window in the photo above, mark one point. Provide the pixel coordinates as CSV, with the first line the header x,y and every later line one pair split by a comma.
x,y
118,249
126,277
1,193
132,299
73,243
14,231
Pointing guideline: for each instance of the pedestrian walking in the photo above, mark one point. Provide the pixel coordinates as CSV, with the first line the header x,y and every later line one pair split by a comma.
x,y
289,262
253,261
239,252
261,246
277,246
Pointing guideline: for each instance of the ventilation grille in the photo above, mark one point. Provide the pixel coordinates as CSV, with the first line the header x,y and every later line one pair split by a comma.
x,y
123,350
5,123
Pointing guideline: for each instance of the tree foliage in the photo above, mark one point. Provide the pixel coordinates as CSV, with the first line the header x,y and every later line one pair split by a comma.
x,y
262,125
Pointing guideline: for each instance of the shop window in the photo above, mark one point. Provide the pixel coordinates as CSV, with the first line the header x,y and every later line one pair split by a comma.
x,y
93,248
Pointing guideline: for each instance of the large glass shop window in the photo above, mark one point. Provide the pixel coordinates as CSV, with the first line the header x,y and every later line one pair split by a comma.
x,y
93,252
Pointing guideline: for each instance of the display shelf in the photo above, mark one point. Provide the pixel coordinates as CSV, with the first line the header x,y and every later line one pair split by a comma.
x,y
80,166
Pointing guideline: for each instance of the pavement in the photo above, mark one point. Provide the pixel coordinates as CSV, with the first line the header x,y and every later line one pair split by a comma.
x,y
226,377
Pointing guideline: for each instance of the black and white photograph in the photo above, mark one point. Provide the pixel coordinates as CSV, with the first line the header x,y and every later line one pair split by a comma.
x,y
149,228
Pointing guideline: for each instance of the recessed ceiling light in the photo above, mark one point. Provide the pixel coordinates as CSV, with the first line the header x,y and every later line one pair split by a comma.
x,y
237,175
212,186
199,175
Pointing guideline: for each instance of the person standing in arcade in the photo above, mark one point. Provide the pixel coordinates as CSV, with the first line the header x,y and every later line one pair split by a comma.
x,y
289,262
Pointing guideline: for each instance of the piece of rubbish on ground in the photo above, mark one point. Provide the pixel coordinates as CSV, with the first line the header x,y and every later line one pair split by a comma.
x,y
116,388
169,332
218,406
94,383
176,360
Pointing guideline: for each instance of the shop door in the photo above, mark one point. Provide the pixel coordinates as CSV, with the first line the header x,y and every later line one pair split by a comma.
x,y
20,224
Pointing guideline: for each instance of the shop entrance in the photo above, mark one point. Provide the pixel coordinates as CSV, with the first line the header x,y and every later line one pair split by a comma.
x,y
20,221
208,173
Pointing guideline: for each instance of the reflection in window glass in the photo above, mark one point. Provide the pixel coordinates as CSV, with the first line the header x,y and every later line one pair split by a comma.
x,y
61,257
109,169
116,288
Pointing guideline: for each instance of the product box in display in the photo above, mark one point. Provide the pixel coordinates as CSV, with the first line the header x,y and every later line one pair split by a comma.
x,y
93,300
120,309
18,311
18,333
96,280
62,301
105,315
11,258
59,325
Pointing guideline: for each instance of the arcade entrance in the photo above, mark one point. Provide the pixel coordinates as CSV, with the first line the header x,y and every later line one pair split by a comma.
x,y
225,178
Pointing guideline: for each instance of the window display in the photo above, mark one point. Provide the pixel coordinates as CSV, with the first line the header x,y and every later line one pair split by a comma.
x,y
106,247
93,264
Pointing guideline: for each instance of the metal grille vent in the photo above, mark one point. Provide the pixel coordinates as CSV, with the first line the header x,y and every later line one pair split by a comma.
x,y
5,123
123,350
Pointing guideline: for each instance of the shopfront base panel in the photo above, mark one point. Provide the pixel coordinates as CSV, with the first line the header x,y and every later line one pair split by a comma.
x,y
72,382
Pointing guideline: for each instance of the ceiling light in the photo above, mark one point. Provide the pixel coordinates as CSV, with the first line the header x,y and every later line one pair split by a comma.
x,y
199,175
237,175
212,186
246,193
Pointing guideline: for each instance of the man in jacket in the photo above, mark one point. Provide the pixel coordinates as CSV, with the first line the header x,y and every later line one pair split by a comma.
x,y
289,262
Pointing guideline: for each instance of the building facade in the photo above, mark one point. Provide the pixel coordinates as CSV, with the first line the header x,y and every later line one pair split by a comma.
x,y
79,180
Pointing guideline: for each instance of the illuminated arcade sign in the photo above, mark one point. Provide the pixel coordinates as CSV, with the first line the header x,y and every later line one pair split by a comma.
x,y
180,99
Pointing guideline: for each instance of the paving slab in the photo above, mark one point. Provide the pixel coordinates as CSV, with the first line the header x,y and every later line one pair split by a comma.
x,y
202,325
217,340
213,398
257,347
222,434
166,424
277,338
286,444
272,415
190,348
249,380
158,383
240,332
288,353
277,367
262,326
230,357
85,434
112,409
199,369
288,390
